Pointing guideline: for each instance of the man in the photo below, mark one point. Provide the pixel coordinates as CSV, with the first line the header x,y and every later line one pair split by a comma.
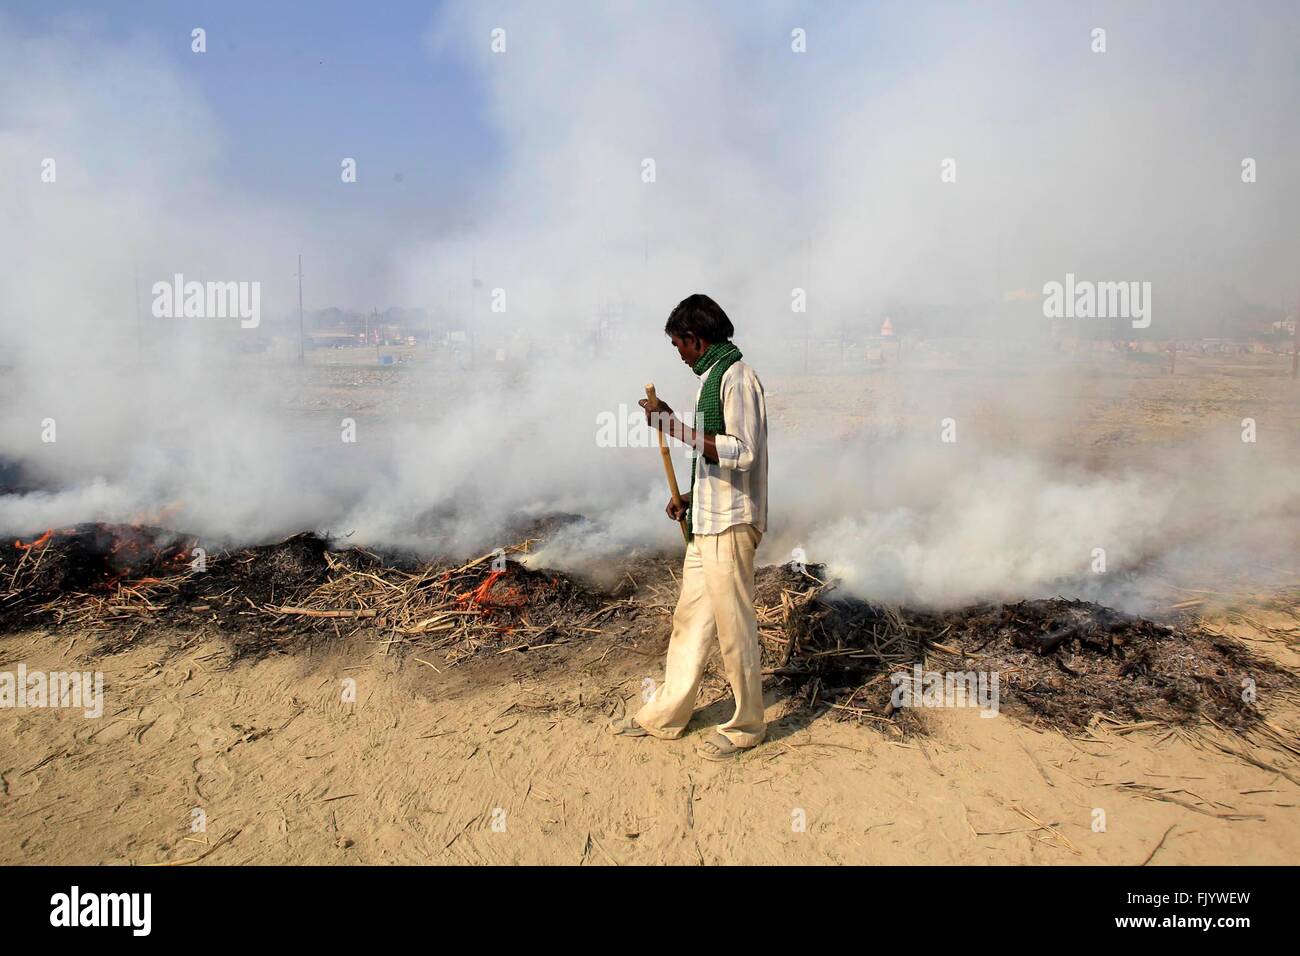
x,y
726,511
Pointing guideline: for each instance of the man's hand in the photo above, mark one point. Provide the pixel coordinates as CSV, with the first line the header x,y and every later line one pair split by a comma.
x,y
678,511
658,415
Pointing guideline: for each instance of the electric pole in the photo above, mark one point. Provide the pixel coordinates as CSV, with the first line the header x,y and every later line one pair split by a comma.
x,y
1295,342
302,350
139,318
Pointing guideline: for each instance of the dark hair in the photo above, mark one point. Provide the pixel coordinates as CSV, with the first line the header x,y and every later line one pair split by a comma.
x,y
700,316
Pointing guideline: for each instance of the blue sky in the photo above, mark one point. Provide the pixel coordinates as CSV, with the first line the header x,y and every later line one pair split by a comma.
x,y
295,86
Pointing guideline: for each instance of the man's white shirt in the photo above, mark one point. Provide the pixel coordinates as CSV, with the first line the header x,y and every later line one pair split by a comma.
x,y
734,491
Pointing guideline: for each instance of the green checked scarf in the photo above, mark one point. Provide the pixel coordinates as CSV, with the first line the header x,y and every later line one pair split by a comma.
x,y
717,358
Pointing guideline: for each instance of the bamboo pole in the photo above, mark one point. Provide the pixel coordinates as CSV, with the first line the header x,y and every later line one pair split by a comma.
x,y
668,463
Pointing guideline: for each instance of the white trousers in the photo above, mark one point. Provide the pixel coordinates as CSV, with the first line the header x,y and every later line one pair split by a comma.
x,y
717,600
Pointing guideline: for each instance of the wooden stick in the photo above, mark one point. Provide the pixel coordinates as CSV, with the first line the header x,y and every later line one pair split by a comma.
x,y
668,464
312,612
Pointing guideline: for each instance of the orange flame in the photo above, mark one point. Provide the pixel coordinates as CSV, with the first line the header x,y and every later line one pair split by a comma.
x,y
39,541
480,593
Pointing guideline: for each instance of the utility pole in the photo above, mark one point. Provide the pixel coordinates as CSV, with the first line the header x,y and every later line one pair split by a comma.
x,y
302,351
202,336
139,317
807,271
473,309
1295,341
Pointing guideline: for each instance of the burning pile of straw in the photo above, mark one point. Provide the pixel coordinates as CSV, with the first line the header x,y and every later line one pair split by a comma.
x,y
92,576
1058,662
490,602
119,580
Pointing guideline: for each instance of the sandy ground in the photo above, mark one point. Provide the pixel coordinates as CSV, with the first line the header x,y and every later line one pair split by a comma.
x,y
506,761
